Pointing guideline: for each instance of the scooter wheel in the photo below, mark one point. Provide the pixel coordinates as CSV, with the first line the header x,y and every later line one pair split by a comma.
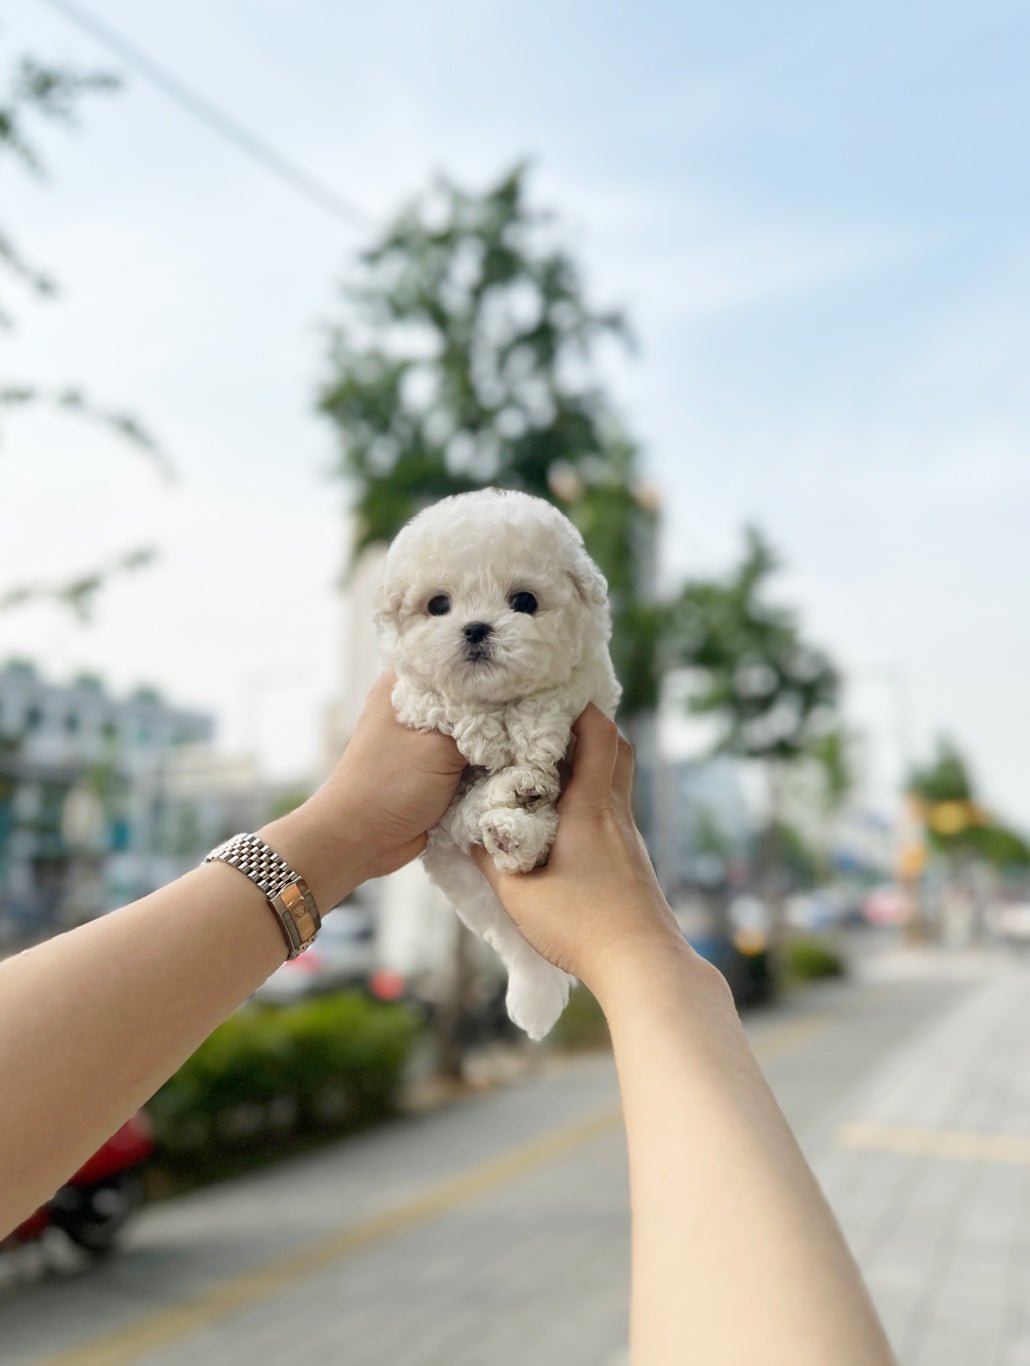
x,y
100,1215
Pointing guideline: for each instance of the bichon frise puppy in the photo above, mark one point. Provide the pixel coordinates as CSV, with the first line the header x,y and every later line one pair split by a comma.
x,y
496,622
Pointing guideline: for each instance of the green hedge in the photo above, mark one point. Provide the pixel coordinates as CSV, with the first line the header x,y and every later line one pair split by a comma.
x,y
335,1062
809,959
581,1026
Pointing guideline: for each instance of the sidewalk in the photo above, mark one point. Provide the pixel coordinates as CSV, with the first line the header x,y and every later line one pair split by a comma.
x,y
927,1166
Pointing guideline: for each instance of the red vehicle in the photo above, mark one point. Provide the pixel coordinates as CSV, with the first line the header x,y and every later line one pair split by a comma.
x,y
94,1205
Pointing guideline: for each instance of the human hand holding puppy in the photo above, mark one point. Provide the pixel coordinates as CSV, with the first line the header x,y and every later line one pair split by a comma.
x,y
596,909
370,817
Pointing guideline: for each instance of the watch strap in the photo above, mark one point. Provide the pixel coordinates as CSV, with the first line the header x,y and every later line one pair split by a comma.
x,y
285,889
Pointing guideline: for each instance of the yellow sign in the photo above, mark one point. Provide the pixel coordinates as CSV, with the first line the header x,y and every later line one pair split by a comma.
x,y
911,862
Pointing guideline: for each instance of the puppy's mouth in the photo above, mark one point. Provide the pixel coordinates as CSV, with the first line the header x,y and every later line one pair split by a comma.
x,y
479,654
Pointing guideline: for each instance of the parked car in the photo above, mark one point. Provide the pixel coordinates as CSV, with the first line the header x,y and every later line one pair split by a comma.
x,y
343,955
1010,921
824,908
887,905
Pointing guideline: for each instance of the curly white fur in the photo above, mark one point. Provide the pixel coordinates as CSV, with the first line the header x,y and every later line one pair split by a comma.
x,y
496,622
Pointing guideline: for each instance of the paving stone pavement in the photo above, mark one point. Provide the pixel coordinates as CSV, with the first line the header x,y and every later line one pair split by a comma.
x,y
496,1231
944,1240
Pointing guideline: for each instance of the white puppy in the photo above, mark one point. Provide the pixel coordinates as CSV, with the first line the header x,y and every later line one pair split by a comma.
x,y
496,622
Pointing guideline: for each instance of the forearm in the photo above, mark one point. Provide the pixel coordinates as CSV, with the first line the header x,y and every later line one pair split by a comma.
x,y
96,1019
736,1256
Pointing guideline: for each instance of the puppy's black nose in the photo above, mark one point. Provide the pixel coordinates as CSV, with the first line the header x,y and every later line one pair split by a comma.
x,y
477,631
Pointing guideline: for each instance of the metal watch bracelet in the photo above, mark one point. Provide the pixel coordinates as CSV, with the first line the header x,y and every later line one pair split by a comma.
x,y
286,890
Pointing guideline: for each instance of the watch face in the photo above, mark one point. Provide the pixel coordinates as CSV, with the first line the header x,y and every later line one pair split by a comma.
x,y
296,904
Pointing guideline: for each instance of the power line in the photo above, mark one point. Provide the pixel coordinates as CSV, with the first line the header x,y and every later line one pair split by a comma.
x,y
214,118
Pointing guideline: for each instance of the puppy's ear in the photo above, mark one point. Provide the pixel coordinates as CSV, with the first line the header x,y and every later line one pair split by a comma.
x,y
387,614
588,581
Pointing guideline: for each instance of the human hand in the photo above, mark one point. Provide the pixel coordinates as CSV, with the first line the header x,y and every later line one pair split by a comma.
x,y
597,901
393,782
371,816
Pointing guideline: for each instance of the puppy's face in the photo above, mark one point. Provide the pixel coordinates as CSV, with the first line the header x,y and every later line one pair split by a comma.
x,y
488,599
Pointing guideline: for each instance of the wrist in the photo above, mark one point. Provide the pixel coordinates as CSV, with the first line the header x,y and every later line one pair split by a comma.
x,y
328,854
651,967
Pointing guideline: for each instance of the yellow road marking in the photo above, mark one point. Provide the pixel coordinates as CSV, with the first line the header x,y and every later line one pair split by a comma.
x,y
788,1036
158,1329
960,1145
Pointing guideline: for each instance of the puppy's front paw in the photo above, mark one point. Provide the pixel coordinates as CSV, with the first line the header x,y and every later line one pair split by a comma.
x,y
518,840
525,787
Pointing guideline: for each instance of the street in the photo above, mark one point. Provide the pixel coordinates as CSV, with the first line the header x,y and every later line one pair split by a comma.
x,y
496,1229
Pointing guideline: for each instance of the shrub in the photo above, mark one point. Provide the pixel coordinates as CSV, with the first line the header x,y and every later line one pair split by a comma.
x,y
582,1025
350,1046
338,1060
810,959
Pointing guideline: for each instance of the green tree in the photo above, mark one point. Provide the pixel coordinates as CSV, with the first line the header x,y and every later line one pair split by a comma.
x,y
1004,847
944,785
34,93
468,358
946,777
772,693
957,825
831,751
798,859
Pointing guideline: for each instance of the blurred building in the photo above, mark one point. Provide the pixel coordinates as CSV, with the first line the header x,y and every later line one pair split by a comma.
x,y
204,796
83,794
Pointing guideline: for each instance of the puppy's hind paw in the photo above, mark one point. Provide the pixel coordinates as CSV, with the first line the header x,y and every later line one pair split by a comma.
x,y
517,840
537,995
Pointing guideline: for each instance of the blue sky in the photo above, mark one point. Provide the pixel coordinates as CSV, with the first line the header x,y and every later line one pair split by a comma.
x,y
816,217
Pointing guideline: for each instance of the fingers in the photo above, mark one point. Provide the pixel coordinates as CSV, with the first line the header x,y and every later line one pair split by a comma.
x,y
379,702
597,748
381,691
622,780
430,742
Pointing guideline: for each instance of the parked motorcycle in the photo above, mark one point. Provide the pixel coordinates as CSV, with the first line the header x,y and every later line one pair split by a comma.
x,y
94,1206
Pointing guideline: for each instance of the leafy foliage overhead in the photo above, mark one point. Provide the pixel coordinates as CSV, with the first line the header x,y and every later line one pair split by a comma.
x,y
464,360
32,95
37,92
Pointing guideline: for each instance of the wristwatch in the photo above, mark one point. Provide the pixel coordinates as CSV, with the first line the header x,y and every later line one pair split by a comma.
x,y
286,890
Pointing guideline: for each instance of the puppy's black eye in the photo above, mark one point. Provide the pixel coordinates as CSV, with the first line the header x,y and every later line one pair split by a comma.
x,y
439,606
523,602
